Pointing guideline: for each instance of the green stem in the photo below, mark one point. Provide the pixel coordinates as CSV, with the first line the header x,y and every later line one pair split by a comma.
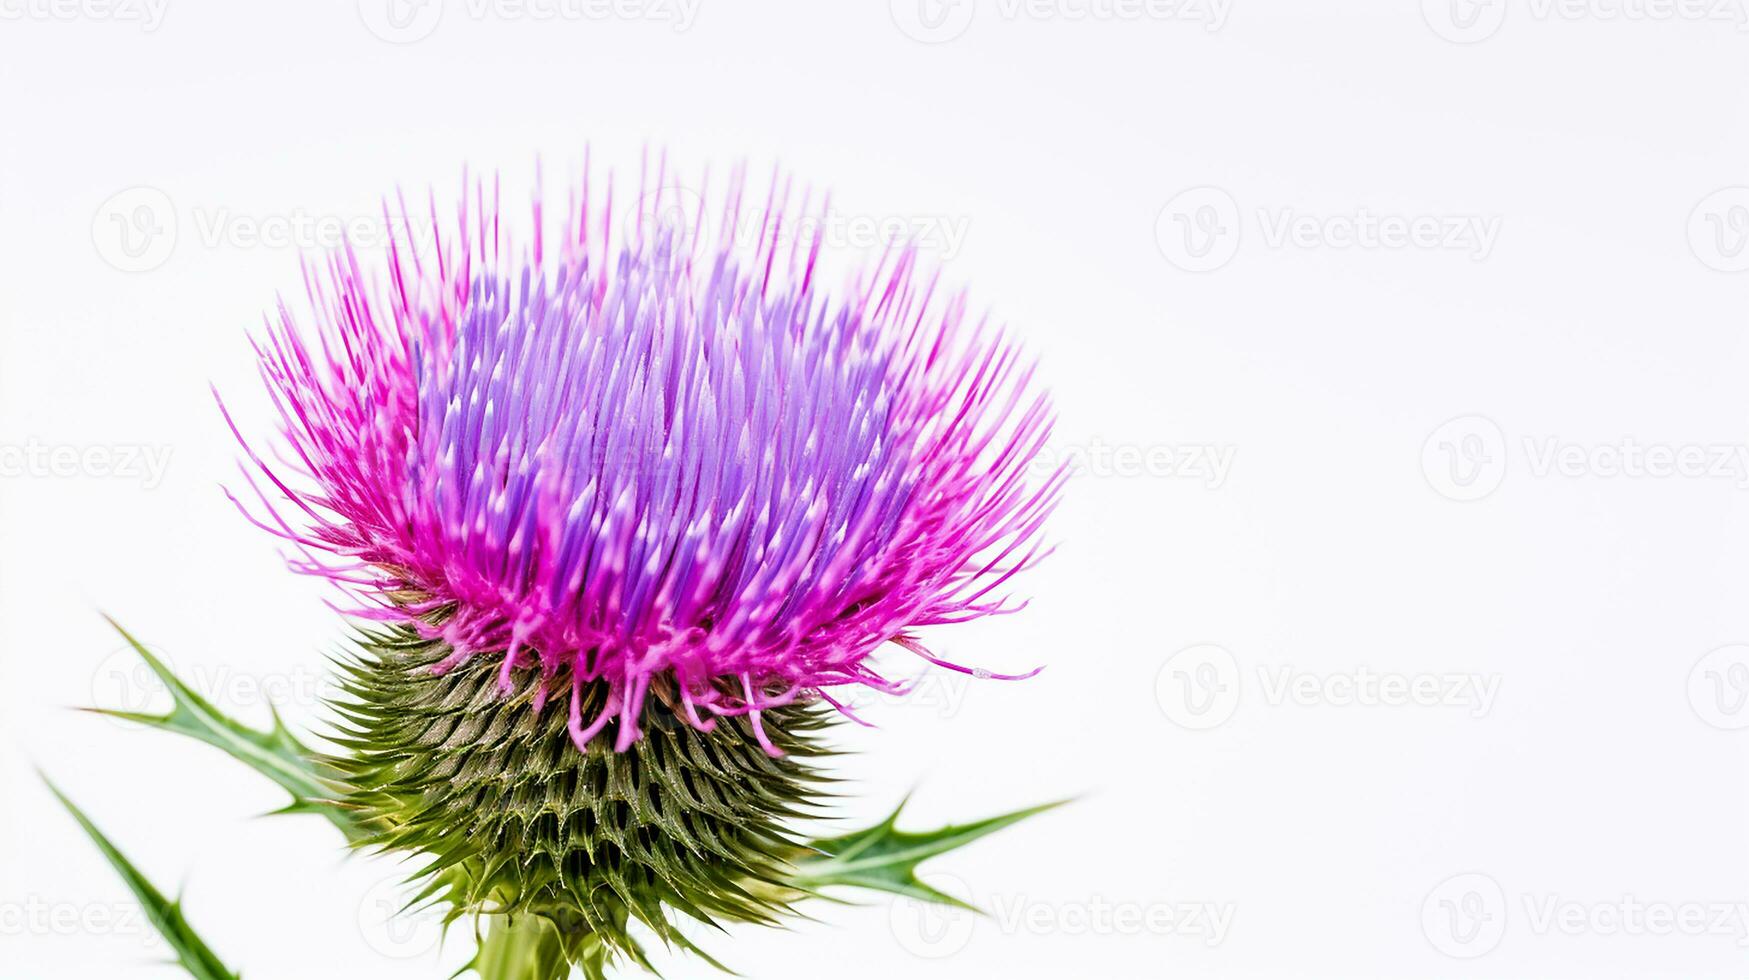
x,y
527,947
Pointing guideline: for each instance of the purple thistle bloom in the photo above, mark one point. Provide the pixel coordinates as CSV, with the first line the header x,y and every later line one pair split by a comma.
x,y
657,459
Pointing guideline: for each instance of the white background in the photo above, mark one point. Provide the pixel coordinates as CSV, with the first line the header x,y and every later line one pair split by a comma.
x,y
1356,535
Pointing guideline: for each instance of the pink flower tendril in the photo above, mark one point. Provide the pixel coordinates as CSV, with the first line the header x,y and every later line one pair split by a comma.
x,y
635,452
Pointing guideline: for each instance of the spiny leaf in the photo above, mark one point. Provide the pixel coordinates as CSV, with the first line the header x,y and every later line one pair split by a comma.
x,y
191,952
275,753
881,858
885,858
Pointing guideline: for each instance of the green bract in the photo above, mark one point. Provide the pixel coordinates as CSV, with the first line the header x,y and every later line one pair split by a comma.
x,y
516,820
557,854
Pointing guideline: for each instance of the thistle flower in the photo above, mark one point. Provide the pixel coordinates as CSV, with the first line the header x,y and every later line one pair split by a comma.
x,y
662,480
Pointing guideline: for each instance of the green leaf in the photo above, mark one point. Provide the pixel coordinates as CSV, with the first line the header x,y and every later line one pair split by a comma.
x,y
885,858
191,952
275,753
881,858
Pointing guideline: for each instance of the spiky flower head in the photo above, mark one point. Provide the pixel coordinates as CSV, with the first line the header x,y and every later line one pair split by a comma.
x,y
629,454
660,476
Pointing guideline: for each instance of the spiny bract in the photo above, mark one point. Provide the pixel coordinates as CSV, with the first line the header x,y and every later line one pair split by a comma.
x,y
516,821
